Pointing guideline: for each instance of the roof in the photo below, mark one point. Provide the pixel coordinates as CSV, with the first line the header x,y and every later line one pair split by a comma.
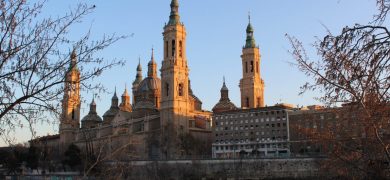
x,y
92,117
111,112
224,106
269,108
149,83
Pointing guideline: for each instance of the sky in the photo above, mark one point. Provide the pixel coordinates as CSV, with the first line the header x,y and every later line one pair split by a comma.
x,y
215,36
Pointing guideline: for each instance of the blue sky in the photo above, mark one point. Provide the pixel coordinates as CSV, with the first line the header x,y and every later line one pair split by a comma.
x,y
215,36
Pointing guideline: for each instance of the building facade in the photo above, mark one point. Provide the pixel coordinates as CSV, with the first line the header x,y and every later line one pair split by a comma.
x,y
164,115
154,122
256,132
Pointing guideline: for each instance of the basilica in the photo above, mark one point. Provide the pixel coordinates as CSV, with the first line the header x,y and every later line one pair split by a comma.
x,y
163,115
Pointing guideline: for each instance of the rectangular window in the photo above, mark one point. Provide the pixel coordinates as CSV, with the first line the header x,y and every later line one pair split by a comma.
x,y
180,49
180,89
173,47
167,88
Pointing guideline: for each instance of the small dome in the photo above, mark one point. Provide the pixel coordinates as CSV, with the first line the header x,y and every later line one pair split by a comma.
x,y
249,28
91,120
111,112
224,106
150,83
92,117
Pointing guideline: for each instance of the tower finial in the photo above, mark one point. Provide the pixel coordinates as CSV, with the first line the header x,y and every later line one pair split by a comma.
x,y
139,67
224,87
73,60
152,66
174,18
152,54
125,93
249,16
250,40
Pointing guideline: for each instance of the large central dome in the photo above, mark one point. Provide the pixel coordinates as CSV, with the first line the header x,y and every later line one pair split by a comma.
x,y
149,83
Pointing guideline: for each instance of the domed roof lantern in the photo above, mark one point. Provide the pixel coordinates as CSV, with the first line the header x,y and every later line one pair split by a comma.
x,y
174,18
224,88
250,39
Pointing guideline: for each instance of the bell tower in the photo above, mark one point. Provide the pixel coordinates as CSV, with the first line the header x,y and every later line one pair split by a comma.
x,y
251,84
175,103
70,118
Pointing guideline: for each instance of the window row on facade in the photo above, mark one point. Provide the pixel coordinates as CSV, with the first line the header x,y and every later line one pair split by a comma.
x,y
246,121
251,127
253,114
251,146
247,140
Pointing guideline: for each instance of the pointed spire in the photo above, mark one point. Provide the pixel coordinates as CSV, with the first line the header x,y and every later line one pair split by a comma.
x,y
138,77
152,66
73,60
115,96
152,57
249,17
114,100
174,18
125,93
224,88
73,56
93,100
250,39
139,67
92,106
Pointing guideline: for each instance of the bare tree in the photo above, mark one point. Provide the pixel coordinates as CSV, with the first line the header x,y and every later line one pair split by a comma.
x,y
354,69
34,58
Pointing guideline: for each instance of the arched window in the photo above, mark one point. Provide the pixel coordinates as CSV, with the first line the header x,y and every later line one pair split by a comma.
x,y
246,67
251,66
258,102
257,67
73,114
167,88
180,89
180,49
173,47
156,102
247,102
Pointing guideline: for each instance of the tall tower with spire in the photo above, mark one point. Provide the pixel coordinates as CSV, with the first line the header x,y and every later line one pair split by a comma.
x,y
251,84
175,103
70,118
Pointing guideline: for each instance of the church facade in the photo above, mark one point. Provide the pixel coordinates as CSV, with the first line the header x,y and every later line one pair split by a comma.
x,y
164,118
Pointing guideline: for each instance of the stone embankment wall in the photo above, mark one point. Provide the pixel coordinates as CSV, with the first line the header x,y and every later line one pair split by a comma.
x,y
298,168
